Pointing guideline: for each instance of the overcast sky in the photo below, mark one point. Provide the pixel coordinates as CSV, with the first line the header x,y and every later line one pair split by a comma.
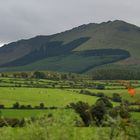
x,y
20,19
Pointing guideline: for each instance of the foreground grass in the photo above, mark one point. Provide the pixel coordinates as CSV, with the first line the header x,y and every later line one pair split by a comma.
x,y
19,113
135,115
61,125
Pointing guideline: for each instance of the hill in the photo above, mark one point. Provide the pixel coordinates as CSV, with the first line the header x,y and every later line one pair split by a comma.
x,y
112,44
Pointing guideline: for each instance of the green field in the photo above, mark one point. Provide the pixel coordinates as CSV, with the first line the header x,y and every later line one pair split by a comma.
x,y
123,93
26,113
35,96
19,113
71,126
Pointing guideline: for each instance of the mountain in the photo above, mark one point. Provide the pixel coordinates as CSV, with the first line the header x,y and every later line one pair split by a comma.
x,y
112,44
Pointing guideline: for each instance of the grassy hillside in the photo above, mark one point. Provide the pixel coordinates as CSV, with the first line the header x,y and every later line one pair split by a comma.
x,y
64,51
79,62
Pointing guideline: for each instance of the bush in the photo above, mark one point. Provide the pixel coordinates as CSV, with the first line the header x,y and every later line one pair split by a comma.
x,y
29,107
93,114
2,106
83,110
124,111
53,107
37,107
86,92
23,107
39,75
116,97
100,94
106,102
16,105
42,106
100,86
11,122
98,112
114,112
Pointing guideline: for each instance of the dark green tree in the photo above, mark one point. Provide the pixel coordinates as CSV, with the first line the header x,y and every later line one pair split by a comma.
x,y
39,75
42,106
83,110
16,105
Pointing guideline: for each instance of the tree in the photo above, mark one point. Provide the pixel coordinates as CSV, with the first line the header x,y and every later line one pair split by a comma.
x,y
98,112
24,75
41,105
100,109
39,75
29,106
64,77
93,114
124,110
23,107
83,110
16,105
2,106
100,86
106,102
100,94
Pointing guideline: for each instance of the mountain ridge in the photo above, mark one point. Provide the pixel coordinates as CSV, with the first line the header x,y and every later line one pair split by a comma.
x,y
117,35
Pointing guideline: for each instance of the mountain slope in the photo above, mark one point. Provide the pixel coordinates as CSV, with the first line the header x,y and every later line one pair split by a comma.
x,y
78,50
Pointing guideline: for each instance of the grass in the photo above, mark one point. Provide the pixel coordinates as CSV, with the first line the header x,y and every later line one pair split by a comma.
x,y
25,113
35,96
10,113
123,93
135,115
60,126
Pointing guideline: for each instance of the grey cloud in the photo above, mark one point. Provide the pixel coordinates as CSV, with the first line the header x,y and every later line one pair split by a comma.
x,y
25,19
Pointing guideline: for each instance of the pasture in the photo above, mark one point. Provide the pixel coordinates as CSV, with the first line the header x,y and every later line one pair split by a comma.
x,y
58,94
122,92
35,96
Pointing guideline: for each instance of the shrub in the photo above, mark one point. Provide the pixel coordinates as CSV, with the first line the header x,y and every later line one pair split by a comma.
x,y
29,107
53,107
86,92
16,105
11,122
2,106
116,97
23,107
100,86
39,75
124,111
93,114
37,107
100,94
98,112
114,112
83,110
106,102
42,106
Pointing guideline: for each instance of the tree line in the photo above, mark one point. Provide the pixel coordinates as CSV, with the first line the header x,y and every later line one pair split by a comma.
x,y
115,74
